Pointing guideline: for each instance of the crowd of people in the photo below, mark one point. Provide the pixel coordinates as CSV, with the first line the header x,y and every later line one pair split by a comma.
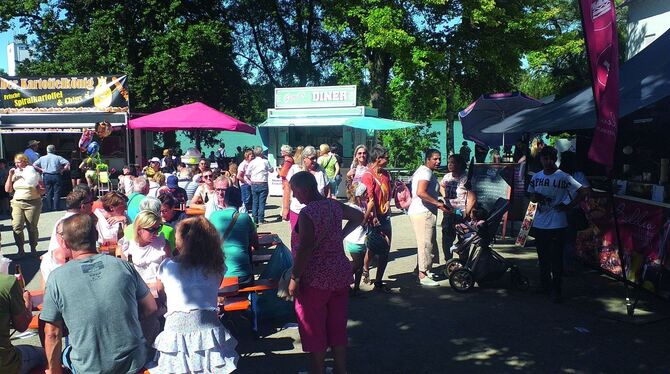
x,y
172,264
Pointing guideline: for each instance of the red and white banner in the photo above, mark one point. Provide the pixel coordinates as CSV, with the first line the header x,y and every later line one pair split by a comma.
x,y
599,22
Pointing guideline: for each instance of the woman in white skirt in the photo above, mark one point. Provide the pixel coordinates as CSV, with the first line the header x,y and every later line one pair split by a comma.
x,y
194,340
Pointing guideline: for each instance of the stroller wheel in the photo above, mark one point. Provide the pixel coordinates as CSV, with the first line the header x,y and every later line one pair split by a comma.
x,y
452,265
520,281
461,280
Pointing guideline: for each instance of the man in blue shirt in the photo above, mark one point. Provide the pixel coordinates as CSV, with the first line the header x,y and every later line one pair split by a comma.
x,y
51,166
31,151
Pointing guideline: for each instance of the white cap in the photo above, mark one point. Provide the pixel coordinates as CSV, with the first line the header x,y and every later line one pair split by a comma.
x,y
155,159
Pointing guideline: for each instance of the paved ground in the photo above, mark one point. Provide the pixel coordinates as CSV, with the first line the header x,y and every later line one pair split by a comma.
x,y
490,329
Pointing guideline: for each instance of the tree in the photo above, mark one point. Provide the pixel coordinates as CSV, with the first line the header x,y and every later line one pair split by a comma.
x,y
174,51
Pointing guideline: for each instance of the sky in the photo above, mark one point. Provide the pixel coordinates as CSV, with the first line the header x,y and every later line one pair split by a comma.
x,y
5,38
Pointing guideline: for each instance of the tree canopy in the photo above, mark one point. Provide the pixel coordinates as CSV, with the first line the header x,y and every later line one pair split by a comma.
x,y
415,60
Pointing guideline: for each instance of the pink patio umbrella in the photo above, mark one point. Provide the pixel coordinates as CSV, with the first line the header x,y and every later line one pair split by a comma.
x,y
194,116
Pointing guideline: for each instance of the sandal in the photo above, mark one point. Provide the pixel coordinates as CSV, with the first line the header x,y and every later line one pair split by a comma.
x,y
366,277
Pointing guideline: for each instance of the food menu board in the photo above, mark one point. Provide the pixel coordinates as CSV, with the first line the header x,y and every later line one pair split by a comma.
x,y
491,182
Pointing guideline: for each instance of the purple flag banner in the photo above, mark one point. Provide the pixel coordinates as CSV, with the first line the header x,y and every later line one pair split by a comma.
x,y
599,22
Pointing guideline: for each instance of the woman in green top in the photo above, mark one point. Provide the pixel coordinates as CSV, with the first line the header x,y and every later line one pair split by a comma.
x,y
239,241
328,161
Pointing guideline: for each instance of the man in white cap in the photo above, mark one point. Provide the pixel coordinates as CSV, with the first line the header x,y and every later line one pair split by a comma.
x,y
31,151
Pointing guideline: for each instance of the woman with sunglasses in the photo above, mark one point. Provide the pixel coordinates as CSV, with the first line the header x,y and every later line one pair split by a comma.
x,y
291,205
203,166
148,248
112,218
359,165
205,192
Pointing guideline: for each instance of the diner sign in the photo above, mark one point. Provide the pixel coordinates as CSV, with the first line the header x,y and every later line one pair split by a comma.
x,y
315,97
64,94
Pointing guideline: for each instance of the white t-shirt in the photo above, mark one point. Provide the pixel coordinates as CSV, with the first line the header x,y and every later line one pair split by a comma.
x,y
242,172
358,235
212,207
188,289
417,206
358,174
321,183
556,188
146,259
48,263
106,232
258,170
455,190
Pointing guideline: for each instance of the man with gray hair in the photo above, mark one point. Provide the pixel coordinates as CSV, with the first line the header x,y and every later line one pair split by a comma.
x,y
51,166
257,172
103,320
140,191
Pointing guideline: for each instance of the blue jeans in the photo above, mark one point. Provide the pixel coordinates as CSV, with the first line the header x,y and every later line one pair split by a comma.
x,y
245,189
259,193
52,184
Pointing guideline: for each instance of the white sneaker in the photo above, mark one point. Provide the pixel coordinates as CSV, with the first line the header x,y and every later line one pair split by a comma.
x,y
431,275
453,248
427,281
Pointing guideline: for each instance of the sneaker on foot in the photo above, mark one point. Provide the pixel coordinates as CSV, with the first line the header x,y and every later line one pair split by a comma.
x,y
431,275
427,281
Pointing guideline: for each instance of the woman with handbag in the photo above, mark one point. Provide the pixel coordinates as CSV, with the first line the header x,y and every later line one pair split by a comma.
x,y
457,191
321,273
377,182
238,241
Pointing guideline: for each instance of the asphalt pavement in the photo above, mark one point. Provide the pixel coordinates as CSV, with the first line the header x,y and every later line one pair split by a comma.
x,y
492,328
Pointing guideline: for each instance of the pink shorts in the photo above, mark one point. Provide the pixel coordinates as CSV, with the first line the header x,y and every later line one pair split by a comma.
x,y
322,318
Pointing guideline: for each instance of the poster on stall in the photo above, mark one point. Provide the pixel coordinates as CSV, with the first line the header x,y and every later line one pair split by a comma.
x,y
642,230
106,93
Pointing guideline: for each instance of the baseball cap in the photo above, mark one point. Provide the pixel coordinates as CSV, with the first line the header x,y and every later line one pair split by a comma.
x,y
155,159
172,182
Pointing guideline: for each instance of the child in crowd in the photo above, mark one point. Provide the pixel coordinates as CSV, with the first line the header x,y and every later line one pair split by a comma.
x,y
354,243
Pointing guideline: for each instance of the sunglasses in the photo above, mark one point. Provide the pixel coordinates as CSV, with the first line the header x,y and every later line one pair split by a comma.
x,y
207,177
361,153
312,158
152,230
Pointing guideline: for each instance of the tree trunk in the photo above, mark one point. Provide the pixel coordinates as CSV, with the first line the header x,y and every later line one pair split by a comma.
x,y
450,120
197,140
169,139
379,64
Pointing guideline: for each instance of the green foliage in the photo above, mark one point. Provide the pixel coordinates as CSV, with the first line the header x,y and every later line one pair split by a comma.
x,y
407,146
412,60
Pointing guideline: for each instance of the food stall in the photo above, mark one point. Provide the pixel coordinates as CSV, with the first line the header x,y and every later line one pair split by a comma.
x,y
321,115
636,213
56,110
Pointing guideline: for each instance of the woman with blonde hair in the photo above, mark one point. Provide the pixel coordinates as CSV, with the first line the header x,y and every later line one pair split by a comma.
x,y
190,283
25,182
297,155
329,163
359,164
291,206
148,247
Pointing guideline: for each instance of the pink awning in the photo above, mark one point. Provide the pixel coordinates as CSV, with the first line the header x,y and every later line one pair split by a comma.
x,y
195,116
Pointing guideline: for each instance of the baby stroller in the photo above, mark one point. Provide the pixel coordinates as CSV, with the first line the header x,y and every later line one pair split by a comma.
x,y
479,263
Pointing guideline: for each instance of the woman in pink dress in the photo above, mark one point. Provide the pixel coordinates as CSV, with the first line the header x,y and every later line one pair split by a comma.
x,y
321,273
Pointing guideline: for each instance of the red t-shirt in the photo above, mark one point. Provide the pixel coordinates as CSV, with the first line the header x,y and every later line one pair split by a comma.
x,y
378,187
